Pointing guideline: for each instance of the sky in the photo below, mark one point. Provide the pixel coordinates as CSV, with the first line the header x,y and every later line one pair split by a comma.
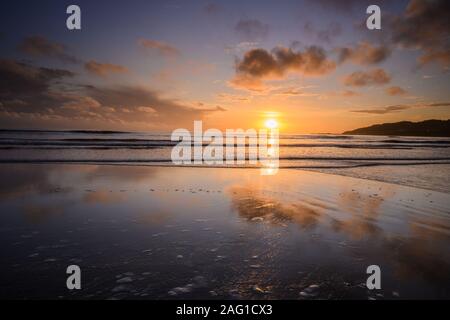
x,y
159,65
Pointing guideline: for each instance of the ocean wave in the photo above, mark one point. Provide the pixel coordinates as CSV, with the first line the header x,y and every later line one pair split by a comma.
x,y
134,143
165,162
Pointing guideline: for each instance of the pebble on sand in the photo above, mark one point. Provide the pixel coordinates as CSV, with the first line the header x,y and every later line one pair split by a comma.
x,y
125,280
310,291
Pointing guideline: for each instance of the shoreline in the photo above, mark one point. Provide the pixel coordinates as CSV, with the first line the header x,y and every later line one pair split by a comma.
x,y
341,170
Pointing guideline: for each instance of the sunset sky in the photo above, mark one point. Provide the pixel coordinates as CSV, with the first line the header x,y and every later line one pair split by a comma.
x,y
160,65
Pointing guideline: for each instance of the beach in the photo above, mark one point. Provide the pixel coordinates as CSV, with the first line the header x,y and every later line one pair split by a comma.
x,y
225,157
158,232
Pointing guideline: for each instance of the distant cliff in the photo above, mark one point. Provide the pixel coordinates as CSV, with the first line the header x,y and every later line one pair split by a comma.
x,y
428,128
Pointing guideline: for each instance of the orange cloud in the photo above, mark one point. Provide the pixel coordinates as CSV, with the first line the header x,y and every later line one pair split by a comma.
x,y
364,53
103,69
395,91
373,77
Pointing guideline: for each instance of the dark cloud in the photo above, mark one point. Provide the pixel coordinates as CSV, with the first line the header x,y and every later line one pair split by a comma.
x,y
364,53
395,108
136,104
219,108
439,104
41,97
26,88
40,46
160,47
252,30
395,91
103,69
389,109
372,77
259,64
425,25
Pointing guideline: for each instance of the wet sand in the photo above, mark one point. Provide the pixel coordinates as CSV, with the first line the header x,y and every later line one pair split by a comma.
x,y
208,233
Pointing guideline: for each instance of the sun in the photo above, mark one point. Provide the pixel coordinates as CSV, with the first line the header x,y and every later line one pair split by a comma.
x,y
271,123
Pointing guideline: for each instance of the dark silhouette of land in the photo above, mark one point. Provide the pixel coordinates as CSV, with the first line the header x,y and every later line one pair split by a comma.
x,y
428,128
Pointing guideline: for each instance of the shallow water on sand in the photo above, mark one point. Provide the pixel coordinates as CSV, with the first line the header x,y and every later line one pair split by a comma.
x,y
180,233
424,162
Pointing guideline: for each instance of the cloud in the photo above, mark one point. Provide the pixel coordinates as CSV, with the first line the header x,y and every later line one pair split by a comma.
x,y
395,91
160,47
258,65
361,78
219,108
40,46
103,69
395,108
23,86
295,92
252,30
389,109
364,54
80,103
227,97
439,104
425,25
441,57
42,97
137,104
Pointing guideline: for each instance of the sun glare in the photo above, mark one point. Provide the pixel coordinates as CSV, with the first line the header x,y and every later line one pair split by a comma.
x,y
271,124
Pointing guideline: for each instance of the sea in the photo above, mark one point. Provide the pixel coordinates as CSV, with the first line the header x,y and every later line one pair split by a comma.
x,y
421,162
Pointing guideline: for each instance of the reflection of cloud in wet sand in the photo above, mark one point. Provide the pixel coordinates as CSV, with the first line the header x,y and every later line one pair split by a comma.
x,y
104,197
121,174
419,258
18,181
155,218
254,206
364,210
39,213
